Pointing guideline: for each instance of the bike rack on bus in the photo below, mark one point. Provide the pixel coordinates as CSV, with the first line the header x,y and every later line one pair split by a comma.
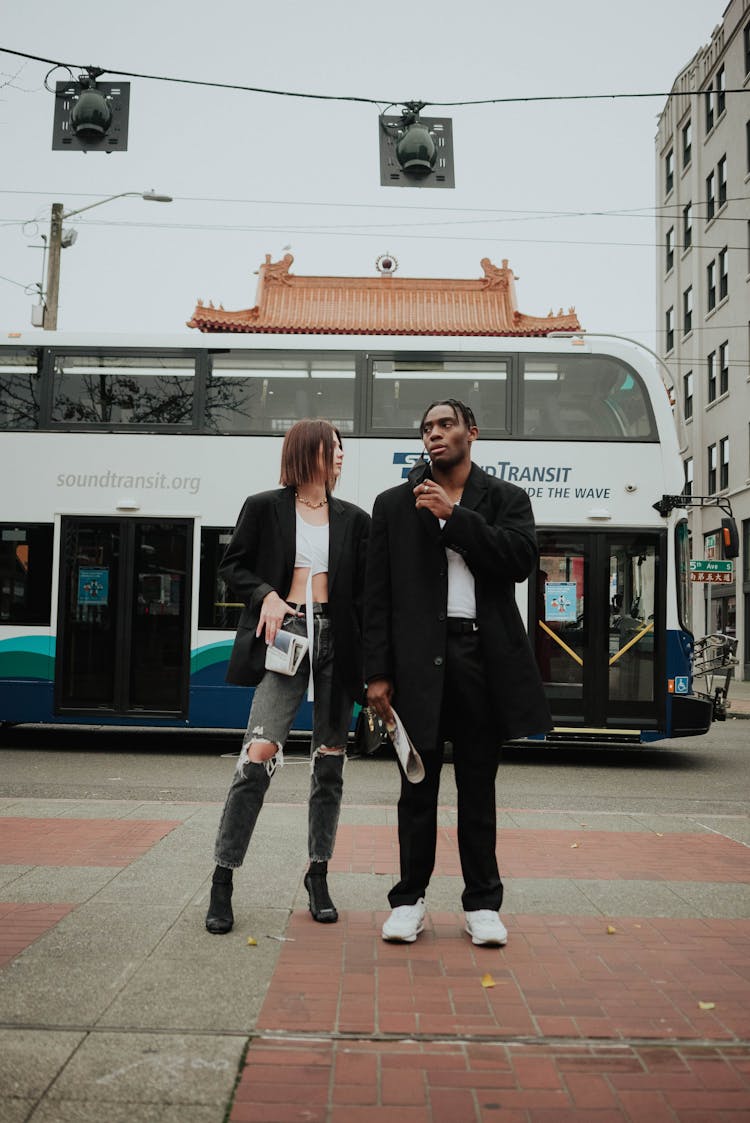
x,y
714,655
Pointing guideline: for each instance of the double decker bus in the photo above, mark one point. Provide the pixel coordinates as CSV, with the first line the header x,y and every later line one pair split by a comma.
x,y
125,461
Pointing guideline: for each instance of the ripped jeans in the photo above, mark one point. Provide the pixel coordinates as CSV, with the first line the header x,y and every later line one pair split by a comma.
x,y
275,704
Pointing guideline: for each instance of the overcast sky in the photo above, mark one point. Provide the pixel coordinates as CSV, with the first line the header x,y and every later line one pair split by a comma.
x,y
253,174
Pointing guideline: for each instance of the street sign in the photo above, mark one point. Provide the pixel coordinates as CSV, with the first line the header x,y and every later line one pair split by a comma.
x,y
697,565
710,544
711,572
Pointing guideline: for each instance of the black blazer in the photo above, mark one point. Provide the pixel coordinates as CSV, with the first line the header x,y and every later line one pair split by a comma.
x,y
407,593
260,559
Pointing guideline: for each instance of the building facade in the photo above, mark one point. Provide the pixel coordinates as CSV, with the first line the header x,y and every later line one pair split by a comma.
x,y
703,299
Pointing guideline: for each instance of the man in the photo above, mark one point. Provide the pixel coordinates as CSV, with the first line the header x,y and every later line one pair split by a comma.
x,y
445,645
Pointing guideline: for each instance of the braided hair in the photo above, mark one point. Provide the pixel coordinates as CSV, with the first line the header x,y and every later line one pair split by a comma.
x,y
459,409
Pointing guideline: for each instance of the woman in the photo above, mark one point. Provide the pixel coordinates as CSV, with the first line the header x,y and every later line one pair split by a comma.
x,y
296,560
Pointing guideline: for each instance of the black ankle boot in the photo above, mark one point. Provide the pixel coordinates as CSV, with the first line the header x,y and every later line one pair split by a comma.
x,y
220,917
321,906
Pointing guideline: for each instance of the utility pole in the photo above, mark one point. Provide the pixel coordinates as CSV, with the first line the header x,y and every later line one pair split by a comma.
x,y
58,241
53,267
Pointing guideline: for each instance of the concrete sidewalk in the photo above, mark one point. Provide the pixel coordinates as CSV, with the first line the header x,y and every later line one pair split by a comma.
x,y
623,993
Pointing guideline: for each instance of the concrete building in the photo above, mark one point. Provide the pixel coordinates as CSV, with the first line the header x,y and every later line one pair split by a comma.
x,y
703,298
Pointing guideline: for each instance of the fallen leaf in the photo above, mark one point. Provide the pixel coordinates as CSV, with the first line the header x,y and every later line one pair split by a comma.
x,y
487,981
706,1005
658,835
574,846
611,930
252,942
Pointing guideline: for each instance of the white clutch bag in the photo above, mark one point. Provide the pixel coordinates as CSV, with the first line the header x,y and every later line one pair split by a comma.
x,y
286,653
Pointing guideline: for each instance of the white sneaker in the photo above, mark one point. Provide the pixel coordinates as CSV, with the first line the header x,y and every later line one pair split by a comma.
x,y
485,927
405,923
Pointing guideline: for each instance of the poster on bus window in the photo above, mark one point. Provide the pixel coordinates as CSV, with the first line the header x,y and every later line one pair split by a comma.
x,y
560,601
93,585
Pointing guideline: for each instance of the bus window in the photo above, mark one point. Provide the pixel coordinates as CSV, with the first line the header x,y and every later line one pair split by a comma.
x,y
584,397
25,573
402,389
246,394
125,389
217,606
19,389
682,559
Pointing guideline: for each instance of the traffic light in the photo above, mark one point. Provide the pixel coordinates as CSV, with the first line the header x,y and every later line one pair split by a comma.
x,y
91,116
416,151
730,538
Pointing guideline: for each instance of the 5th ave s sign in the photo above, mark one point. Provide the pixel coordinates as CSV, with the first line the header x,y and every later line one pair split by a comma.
x,y
711,572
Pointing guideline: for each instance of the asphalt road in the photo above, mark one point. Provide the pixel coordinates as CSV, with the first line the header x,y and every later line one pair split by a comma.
x,y
706,775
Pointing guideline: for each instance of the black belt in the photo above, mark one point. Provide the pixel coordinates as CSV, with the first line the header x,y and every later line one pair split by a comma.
x,y
458,626
317,609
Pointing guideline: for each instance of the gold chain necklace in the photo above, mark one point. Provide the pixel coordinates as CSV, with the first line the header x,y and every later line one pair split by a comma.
x,y
307,503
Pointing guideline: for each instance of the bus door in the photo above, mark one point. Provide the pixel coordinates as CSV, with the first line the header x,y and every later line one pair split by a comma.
x,y
123,635
597,607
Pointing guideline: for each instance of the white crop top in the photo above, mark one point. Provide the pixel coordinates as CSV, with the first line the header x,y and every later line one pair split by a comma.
x,y
312,553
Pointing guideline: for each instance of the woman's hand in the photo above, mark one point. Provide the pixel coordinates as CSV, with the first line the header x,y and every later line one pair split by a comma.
x,y
272,613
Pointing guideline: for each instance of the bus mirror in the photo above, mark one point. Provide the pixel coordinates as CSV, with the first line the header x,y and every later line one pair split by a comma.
x,y
730,538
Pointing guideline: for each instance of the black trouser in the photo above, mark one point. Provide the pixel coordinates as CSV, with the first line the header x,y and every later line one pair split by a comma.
x,y
466,721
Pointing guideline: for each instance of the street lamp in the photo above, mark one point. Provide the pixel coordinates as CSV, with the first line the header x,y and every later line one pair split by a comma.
x,y
57,240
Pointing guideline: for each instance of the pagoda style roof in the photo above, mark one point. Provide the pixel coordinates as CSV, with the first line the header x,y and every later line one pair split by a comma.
x,y
382,305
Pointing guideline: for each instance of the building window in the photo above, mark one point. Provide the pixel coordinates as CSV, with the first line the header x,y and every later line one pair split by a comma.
x,y
711,469
687,310
687,226
723,463
724,368
670,248
723,274
687,394
25,573
688,488
711,376
711,285
669,328
721,91
669,171
687,143
710,196
721,169
709,101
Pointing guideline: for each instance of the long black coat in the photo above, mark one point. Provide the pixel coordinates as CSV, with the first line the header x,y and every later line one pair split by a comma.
x,y
260,559
406,598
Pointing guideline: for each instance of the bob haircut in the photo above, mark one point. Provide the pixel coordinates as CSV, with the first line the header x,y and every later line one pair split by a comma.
x,y
301,454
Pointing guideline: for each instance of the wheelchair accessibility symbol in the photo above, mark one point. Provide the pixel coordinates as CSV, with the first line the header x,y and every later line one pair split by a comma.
x,y
681,684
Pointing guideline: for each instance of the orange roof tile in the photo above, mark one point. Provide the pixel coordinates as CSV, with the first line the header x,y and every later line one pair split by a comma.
x,y
382,305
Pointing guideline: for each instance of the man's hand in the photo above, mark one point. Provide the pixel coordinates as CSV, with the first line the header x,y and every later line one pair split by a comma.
x,y
379,694
272,613
432,496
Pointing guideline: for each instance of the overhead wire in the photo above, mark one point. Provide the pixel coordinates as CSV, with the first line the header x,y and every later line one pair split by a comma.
x,y
384,101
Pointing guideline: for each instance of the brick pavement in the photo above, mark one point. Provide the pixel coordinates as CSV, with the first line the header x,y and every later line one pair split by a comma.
x,y
589,854
577,1019
580,1018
